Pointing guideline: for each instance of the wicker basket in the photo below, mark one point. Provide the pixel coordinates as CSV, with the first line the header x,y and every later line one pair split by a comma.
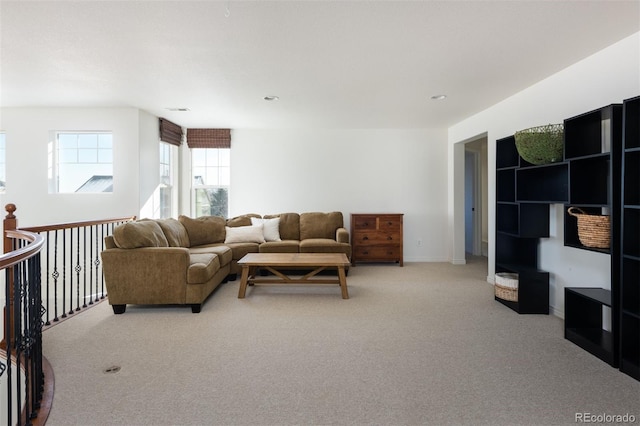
x,y
542,144
593,230
506,286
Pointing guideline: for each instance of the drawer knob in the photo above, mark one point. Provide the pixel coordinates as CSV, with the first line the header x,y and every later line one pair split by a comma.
x,y
389,238
365,238
389,223
365,252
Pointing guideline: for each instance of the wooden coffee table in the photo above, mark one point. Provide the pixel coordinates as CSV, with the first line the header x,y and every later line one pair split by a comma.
x,y
277,262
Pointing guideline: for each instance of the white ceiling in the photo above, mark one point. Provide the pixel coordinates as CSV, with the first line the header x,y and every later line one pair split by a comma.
x,y
342,64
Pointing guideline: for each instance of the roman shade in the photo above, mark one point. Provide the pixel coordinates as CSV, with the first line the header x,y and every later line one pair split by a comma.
x,y
170,132
209,138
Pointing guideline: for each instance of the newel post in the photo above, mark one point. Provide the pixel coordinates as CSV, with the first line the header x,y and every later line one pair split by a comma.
x,y
10,223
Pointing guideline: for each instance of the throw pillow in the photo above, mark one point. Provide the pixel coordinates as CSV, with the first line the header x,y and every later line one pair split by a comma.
x,y
270,228
175,232
244,234
142,233
204,229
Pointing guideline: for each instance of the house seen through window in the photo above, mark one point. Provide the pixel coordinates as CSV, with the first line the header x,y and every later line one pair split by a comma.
x,y
81,162
210,170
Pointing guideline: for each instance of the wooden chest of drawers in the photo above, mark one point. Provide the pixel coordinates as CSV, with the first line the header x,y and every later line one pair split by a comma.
x,y
376,237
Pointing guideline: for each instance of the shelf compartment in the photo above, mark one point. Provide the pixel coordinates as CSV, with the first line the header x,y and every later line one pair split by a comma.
x,y
524,220
571,238
506,185
583,322
546,184
631,123
629,346
593,132
533,290
506,153
590,180
630,291
513,250
631,191
631,232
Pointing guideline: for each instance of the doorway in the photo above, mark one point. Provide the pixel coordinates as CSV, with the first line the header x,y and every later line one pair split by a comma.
x,y
475,197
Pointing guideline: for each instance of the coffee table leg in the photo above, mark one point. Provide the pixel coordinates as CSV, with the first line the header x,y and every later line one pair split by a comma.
x,y
243,282
343,282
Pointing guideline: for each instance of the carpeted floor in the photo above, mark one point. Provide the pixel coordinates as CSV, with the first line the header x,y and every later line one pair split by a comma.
x,y
425,344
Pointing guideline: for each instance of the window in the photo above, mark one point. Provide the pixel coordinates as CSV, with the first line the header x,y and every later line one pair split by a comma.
x,y
210,171
81,162
166,180
3,162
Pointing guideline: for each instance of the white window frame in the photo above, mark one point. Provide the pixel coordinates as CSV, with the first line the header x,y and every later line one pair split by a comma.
x,y
225,185
54,159
169,184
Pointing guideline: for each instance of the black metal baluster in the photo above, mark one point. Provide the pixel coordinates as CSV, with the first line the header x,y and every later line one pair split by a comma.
x,y
91,265
84,266
48,297
17,332
97,262
55,274
78,268
64,273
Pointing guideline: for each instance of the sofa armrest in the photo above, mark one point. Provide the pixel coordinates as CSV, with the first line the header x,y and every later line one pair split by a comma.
x,y
342,235
146,275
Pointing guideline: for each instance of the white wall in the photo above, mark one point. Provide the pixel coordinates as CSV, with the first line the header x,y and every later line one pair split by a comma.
x,y
353,171
607,77
27,134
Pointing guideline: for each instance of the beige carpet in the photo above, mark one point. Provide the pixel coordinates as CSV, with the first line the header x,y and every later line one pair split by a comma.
x,y
425,344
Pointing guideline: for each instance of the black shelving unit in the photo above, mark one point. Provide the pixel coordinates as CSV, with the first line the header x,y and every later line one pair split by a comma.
x,y
523,195
583,321
593,152
629,335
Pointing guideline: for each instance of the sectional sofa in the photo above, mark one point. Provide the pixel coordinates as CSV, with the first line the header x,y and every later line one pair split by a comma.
x,y
182,261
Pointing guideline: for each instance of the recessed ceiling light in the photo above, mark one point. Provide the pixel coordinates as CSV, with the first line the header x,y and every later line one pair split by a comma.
x,y
271,98
179,109
438,97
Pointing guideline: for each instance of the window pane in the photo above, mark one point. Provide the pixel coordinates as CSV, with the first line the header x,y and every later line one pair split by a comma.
x,y
212,157
105,140
87,140
198,157
225,176
87,156
68,156
67,141
225,157
211,202
105,156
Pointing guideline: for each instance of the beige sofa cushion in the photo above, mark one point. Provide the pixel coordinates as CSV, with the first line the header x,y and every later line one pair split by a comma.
x,y
289,225
324,245
175,232
286,246
225,255
202,267
204,229
142,233
320,225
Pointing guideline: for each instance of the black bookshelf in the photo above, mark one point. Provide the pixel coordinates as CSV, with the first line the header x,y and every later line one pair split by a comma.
x,y
523,194
629,336
593,152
